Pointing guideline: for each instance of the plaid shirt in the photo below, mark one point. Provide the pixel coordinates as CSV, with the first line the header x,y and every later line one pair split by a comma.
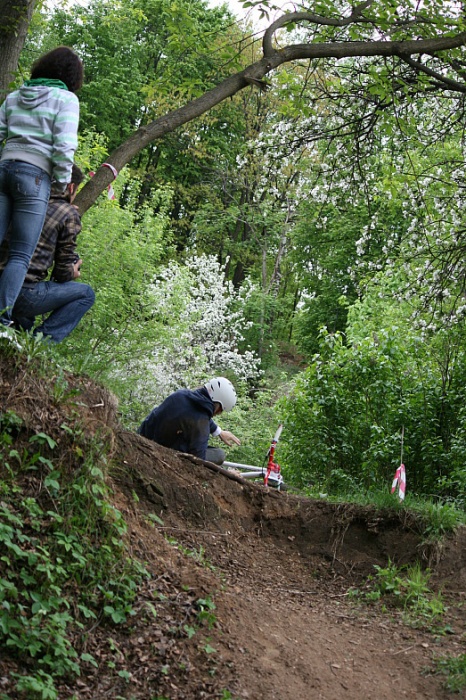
x,y
56,246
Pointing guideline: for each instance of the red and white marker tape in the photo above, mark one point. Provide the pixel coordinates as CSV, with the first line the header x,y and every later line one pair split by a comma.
x,y
399,481
110,191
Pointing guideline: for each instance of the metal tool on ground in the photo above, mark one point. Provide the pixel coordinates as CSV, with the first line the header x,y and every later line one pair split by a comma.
x,y
269,473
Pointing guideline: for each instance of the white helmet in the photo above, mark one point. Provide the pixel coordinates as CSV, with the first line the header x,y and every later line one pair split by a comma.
x,y
222,391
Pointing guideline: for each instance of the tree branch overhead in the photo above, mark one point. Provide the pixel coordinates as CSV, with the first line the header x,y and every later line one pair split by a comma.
x,y
273,57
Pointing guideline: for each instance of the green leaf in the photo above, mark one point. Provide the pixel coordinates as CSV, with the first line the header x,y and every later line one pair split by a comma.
x,y
43,438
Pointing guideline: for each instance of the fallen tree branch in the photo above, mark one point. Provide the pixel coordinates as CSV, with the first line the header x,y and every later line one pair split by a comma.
x,y
214,468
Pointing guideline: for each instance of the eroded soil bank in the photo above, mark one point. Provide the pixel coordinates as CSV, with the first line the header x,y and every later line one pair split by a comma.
x,y
249,590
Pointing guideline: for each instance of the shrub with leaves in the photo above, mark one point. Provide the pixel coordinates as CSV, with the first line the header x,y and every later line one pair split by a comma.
x,y
406,588
348,410
63,563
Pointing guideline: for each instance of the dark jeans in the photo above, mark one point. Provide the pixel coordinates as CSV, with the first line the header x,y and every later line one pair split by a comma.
x,y
24,195
68,302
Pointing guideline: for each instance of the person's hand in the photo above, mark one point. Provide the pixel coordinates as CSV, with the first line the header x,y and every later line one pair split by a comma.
x,y
77,268
228,438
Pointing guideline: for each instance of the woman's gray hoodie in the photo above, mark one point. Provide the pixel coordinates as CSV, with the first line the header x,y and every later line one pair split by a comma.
x,y
39,125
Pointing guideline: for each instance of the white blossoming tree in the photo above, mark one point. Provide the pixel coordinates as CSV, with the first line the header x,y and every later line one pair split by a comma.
x,y
200,321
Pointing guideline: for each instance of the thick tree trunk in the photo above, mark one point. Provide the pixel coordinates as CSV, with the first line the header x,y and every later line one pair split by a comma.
x,y
15,17
253,75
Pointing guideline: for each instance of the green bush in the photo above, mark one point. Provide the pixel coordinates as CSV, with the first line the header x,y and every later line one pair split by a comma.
x,y
63,562
349,409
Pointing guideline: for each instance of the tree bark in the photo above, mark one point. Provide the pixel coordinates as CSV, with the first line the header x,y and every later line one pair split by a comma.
x,y
15,17
253,75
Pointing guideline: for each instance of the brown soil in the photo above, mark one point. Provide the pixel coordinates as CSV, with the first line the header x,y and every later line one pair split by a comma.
x,y
277,567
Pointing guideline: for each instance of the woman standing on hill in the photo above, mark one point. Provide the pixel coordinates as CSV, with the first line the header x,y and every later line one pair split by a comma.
x,y
39,131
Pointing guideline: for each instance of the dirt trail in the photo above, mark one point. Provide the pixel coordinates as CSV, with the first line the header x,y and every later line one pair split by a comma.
x,y
284,565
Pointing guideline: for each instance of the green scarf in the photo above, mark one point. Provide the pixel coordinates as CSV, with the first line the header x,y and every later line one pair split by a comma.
x,y
49,82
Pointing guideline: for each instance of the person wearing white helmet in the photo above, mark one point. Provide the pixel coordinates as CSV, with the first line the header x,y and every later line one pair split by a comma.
x,y
222,391
184,420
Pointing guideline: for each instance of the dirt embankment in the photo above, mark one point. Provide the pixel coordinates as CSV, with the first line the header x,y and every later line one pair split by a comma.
x,y
284,566
248,594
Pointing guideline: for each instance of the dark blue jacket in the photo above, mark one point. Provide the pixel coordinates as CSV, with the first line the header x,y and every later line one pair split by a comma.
x,y
183,422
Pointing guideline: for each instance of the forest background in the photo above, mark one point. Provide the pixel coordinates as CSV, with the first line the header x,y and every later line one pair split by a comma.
x,y
303,237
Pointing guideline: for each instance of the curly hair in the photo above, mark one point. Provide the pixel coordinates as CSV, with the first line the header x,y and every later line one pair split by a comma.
x,y
62,64
77,175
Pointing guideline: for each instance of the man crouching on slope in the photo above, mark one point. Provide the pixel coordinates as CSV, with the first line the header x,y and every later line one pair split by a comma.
x,y
184,422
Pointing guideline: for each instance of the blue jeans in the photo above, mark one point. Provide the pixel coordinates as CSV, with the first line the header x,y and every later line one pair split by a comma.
x,y
24,196
68,302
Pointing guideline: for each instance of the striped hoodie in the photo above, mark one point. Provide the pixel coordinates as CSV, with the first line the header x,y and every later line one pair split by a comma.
x,y
39,125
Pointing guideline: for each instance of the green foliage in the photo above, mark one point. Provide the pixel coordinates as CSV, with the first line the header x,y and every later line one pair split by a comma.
x,y
268,325
326,271
63,560
440,518
346,415
144,58
310,225
226,695
121,249
406,588
330,427
205,614
454,668
40,686
134,54
437,519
